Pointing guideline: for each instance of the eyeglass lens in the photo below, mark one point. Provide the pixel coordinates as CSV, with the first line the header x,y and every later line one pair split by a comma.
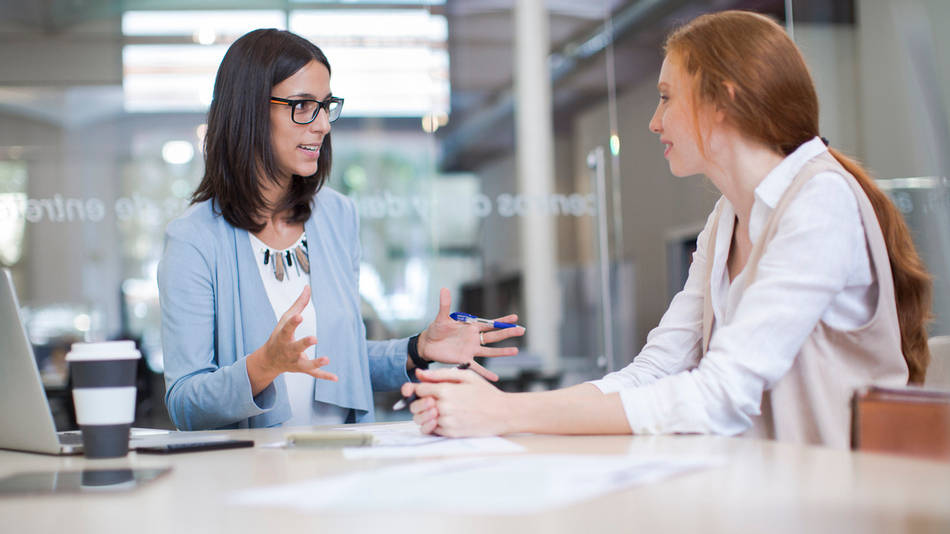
x,y
306,111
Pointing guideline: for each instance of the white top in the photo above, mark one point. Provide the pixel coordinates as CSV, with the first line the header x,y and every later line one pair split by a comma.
x,y
282,294
816,267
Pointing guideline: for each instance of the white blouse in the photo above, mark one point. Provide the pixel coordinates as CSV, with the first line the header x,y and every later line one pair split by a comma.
x,y
282,294
817,267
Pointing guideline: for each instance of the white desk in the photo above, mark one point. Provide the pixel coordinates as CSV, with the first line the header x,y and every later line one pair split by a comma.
x,y
763,487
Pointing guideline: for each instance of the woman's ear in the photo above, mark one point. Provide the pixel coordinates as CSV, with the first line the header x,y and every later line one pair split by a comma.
x,y
720,113
731,88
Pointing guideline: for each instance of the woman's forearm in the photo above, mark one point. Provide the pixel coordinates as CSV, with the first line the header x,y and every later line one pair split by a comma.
x,y
457,403
580,409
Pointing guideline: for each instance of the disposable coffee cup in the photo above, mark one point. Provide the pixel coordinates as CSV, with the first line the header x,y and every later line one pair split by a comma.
x,y
103,376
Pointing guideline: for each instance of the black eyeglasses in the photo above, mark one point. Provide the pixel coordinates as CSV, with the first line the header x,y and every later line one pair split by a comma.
x,y
305,111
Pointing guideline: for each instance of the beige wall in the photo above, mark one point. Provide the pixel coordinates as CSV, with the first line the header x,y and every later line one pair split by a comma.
x,y
499,237
86,52
830,52
896,126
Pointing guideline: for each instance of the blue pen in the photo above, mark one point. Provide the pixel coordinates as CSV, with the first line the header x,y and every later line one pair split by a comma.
x,y
463,317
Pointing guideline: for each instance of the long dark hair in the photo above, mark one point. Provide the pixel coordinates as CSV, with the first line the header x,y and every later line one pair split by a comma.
x,y
238,153
773,100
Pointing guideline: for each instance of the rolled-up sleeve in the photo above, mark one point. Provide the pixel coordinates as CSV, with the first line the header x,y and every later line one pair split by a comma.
x,y
387,363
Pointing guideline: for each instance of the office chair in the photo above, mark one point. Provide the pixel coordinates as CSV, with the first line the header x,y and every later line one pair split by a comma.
x,y
938,372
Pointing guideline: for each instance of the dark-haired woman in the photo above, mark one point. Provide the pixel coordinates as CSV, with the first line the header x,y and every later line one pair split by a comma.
x,y
262,270
805,284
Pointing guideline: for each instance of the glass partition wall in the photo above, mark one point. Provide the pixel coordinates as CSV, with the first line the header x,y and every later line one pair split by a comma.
x,y
884,89
100,149
498,148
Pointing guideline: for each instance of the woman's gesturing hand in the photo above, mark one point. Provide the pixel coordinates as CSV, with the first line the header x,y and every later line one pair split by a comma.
x,y
282,353
456,403
449,341
287,354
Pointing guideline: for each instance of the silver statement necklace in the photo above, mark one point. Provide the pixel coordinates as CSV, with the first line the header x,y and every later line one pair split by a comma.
x,y
294,257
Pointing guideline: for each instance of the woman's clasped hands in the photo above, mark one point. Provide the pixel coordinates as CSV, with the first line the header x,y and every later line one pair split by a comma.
x,y
456,402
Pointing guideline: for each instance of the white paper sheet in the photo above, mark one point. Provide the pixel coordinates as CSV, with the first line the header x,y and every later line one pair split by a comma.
x,y
499,485
405,433
403,440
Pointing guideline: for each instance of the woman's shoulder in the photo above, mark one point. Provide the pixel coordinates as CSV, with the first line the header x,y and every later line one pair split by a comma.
x,y
826,210
331,203
199,222
829,193
330,198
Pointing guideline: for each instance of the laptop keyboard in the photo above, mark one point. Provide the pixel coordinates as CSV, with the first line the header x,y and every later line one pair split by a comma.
x,y
74,437
70,438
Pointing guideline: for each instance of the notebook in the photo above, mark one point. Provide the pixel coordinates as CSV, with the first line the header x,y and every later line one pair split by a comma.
x,y
910,420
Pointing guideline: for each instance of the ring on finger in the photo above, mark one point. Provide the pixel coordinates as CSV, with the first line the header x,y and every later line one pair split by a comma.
x,y
481,337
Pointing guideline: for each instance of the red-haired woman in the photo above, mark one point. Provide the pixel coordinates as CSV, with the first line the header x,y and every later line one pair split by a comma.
x,y
805,284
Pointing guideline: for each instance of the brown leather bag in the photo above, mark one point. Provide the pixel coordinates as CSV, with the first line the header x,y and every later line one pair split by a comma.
x,y
911,421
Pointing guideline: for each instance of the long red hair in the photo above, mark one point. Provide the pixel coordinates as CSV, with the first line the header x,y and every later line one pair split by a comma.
x,y
746,65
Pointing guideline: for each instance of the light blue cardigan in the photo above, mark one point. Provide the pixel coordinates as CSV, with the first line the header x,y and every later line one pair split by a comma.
x,y
215,312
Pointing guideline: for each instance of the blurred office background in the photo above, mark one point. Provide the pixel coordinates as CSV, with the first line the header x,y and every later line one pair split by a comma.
x,y
495,147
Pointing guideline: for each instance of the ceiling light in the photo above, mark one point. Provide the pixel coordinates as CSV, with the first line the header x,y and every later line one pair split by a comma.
x,y
178,152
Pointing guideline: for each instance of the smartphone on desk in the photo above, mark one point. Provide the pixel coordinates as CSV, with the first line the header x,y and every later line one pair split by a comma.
x,y
195,446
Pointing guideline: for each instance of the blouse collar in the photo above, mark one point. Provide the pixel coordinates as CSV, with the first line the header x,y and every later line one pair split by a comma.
x,y
773,186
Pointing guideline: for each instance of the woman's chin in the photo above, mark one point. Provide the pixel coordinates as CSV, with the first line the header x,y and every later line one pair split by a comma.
x,y
305,171
681,172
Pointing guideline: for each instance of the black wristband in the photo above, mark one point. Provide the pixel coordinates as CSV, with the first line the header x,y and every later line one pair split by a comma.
x,y
414,353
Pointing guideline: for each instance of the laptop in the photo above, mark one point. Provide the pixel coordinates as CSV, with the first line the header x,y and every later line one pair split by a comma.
x,y
26,423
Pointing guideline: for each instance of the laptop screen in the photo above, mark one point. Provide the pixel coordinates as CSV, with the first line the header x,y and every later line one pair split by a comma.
x,y
25,419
